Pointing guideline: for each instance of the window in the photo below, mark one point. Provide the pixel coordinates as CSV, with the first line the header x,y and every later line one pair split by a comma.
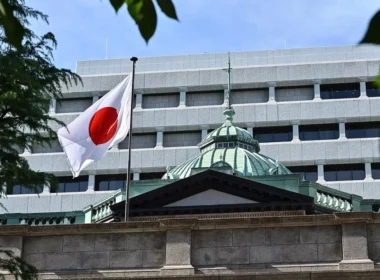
x,y
246,147
344,172
319,132
110,182
372,90
273,134
181,139
339,91
375,170
160,100
69,184
20,189
151,175
73,105
308,173
225,145
363,130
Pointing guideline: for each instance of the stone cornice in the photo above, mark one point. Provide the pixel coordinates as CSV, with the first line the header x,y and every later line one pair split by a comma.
x,y
193,223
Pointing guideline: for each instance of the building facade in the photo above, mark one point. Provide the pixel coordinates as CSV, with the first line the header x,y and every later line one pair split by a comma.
x,y
315,110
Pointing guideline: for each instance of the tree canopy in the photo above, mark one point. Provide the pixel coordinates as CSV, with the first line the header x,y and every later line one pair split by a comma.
x,y
28,81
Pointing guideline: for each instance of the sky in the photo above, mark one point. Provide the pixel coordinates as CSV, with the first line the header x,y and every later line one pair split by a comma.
x,y
205,26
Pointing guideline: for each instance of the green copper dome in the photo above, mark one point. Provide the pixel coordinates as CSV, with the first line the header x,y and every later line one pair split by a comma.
x,y
229,133
230,147
243,162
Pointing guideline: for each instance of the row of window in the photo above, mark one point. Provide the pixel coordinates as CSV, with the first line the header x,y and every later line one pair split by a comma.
x,y
317,132
169,100
340,172
262,134
80,184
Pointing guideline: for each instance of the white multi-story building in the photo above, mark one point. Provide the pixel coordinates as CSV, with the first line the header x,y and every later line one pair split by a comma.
x,y
315,110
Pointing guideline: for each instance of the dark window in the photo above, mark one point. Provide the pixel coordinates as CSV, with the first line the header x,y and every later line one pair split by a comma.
x,y
344,172
20,189
372,90
338,91
273,134
69,184
110,182
308,173
375,170
363,130
319,132
151,175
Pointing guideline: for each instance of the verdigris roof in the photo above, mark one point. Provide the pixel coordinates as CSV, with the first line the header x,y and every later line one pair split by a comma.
x,y
230,132
243,162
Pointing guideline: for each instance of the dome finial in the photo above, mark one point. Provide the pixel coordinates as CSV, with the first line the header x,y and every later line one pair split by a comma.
x,y
228,114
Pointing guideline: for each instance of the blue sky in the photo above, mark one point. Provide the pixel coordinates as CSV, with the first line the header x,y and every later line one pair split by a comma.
x,y
81,27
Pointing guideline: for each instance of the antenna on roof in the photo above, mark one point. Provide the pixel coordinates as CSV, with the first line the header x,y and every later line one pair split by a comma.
x,y
228,91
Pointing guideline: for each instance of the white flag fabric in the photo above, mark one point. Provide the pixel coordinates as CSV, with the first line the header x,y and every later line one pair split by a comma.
x,y
103,125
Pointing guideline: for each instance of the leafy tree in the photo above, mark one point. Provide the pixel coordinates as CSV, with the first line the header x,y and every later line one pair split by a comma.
x,y
16,266
28,81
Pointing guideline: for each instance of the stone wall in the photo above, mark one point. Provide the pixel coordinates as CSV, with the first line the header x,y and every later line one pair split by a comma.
x,y
267,246
231,244
121,250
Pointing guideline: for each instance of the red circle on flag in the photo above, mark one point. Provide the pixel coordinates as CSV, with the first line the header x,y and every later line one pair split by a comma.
x,y
103,125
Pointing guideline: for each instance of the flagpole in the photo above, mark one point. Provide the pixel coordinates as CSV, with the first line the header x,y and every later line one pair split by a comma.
x,y
127,186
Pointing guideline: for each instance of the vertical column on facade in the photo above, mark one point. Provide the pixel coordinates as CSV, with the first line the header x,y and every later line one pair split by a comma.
x,y
296,133
342,129
363,89
46,189
204,133
321,173
272,93
138,101
355,247
317,90
368,171
160,139
178,253
182,99
53,106
27,151
136,176
250,130
94,99
91,182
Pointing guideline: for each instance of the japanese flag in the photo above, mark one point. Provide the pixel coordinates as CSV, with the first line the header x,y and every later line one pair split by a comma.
x,y
103,125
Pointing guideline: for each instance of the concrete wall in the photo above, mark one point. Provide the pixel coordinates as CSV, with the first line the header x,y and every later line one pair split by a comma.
x,y
238,59
232,243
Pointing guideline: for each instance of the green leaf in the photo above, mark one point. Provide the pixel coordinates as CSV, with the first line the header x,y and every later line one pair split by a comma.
x,y
144,14
372,35
13,29
116,4
377,81
167,8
